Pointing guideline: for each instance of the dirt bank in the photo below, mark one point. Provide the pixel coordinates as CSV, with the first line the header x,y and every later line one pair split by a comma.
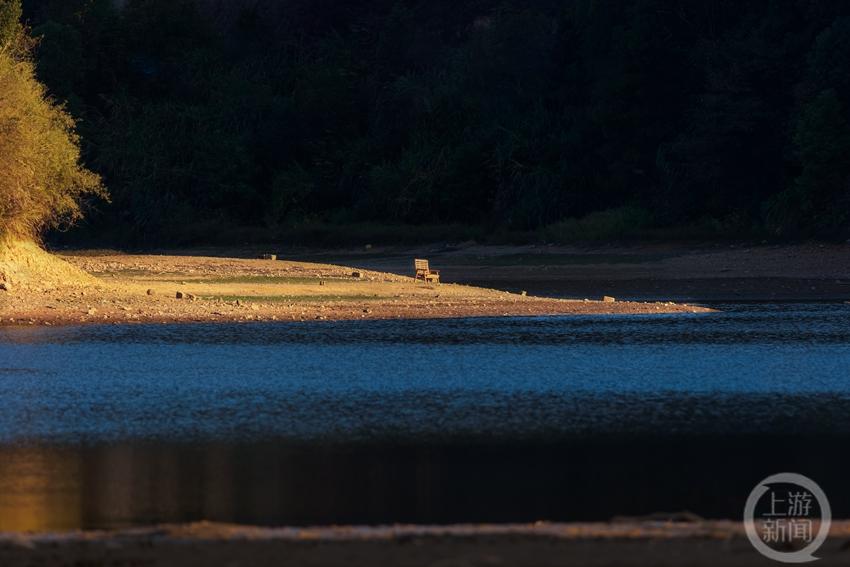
x,y
684,272
657,544
121,288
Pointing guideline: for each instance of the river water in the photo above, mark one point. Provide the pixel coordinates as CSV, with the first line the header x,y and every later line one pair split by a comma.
x,y
514,419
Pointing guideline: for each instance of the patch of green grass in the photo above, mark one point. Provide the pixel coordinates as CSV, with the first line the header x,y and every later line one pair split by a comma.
x,y
291,298
129,273
542,259
264,280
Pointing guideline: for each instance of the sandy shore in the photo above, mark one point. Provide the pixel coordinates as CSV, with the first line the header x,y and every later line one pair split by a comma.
x,y
193,288
375,283
655,544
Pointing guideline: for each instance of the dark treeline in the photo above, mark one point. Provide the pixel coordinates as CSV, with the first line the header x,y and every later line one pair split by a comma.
x,y
208,115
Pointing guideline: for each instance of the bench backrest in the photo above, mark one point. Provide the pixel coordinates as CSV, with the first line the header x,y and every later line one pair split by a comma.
x,y
421,265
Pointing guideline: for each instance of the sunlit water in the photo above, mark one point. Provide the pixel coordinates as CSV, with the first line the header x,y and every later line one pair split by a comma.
x,y
427,421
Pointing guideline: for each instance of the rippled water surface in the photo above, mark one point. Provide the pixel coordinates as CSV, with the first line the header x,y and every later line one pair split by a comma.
x,y
433,421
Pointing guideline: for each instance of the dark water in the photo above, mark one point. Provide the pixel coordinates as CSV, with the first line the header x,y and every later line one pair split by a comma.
x,y
579,418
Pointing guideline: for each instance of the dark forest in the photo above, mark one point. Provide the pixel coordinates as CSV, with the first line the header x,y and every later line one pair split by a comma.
x,y
547,120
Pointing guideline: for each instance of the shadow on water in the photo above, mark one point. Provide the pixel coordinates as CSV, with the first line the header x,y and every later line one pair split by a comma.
x,y
279,484
580,418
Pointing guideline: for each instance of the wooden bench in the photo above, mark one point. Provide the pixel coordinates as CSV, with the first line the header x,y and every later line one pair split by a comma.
x,y
424,271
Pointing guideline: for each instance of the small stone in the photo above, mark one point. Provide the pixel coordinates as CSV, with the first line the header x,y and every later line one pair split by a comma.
x,y
255,307
523,293
149,292
367,311
357,275
608,299
91,311
180,295
191,297
4,286
268,257
321,282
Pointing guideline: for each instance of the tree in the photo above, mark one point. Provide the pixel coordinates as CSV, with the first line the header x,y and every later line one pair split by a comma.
x,y
10,18
818,200
41,179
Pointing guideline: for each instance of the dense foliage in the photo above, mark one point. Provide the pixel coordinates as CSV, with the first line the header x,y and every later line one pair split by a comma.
x,y
568,117
41,180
